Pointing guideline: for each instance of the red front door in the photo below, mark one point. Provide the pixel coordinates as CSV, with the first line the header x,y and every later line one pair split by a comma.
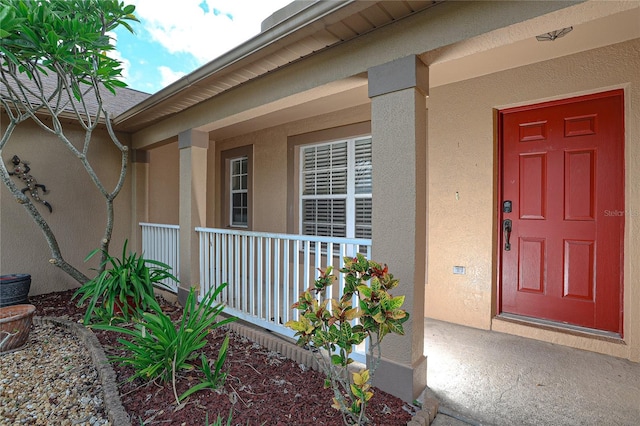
x,y
561,244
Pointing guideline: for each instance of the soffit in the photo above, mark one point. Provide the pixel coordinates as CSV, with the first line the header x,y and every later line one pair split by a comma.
x,y
347,20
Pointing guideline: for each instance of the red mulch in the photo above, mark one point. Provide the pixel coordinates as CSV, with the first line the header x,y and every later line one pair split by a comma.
x,y
262,387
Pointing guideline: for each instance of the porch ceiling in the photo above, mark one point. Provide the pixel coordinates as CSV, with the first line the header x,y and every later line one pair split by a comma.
x,y
338,95
595,24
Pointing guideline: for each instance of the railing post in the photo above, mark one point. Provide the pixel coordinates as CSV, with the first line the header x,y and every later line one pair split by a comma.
x,y
139,188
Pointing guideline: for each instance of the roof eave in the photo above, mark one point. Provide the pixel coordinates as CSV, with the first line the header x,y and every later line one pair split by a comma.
x,y
297,21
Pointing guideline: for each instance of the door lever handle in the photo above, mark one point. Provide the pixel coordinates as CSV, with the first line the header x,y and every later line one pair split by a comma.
x,y
506,229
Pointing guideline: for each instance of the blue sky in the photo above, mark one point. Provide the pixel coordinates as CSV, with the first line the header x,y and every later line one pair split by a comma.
x,y
174,37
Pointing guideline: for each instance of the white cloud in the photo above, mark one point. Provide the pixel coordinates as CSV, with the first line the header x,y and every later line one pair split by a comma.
x,y
168,76
185,26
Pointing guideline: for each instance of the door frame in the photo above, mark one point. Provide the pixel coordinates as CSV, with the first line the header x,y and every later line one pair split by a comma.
x,y
498,214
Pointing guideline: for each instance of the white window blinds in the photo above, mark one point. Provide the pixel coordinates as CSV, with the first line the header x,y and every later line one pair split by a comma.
x,y
336,190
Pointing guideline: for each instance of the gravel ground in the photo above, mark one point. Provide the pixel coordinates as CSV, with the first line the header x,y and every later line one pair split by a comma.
x,y
50,381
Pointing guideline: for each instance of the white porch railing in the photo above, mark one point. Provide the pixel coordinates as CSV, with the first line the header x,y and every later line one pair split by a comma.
x,y
161,243
267,272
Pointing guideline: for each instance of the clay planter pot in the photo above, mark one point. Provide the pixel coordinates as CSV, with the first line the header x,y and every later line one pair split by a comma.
x,y
15,324
14,289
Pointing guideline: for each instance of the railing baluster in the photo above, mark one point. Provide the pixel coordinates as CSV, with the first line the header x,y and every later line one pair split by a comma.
x,y
329,262
305,264
204,264
285,281
267,274
276,280
236,274
160,243
296,275
252,288
260,281
340,277
225,275
317,255
217,260
243,272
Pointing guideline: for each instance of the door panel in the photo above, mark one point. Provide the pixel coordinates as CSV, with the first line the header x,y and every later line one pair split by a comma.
x,y
563,170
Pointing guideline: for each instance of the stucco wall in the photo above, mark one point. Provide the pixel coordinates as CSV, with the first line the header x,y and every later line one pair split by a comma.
x,y
78,216
164,180
462,198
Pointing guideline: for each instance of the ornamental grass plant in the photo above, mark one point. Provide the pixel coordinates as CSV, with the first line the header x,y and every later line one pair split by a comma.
x,y
123,288
158,349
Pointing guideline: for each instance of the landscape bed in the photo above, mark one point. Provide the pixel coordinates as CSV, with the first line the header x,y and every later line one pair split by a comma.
x,y
262,387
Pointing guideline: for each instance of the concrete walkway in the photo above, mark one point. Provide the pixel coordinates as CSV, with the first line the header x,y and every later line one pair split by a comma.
x,y
490,378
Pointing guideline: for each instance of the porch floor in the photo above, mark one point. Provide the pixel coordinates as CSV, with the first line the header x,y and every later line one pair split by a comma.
x,y
492,378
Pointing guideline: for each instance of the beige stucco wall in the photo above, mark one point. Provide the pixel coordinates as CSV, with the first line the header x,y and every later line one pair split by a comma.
x,y
462,197
164,180
78,217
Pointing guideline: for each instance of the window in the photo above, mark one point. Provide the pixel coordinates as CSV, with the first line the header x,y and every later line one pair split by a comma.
x,y
336,190
239,192
236,188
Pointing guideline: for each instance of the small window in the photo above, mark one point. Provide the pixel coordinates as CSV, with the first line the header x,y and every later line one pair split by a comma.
x,y
239,192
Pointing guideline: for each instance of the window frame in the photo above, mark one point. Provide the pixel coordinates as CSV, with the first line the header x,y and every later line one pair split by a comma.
x,y
227,157
242,190
350,196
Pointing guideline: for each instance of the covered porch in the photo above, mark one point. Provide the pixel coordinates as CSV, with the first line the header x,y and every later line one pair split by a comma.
x,y
433,158
257,254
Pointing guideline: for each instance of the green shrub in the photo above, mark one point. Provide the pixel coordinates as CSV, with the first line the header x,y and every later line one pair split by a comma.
x,y
326,324
159,350
123,287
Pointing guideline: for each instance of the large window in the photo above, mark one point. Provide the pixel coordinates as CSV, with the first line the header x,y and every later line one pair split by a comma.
x,y
239,192
335,184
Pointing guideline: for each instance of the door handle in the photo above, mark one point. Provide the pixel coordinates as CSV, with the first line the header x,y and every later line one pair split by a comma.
x,y
506,229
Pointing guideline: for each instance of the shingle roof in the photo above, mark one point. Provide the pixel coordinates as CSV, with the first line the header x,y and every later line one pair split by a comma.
x,y
124,99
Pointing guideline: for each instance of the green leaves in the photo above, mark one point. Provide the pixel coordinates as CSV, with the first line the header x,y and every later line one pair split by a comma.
x,y
8,22
213,379
121,289
159,350
66,36
366,310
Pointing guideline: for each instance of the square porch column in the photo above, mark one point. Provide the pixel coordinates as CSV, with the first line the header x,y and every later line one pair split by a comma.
x,y
398,93
139,195
192,211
